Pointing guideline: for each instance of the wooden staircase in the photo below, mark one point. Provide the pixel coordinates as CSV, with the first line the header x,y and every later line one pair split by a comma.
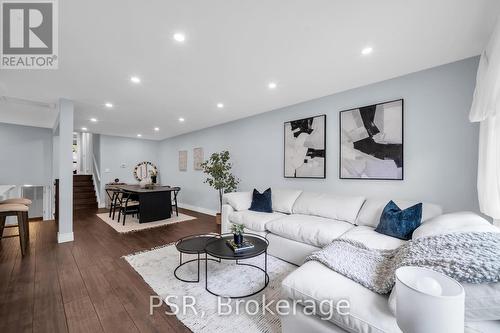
x,y
84,197
84,193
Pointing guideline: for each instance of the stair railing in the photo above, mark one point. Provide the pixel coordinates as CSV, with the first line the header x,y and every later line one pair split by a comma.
x,y
96,177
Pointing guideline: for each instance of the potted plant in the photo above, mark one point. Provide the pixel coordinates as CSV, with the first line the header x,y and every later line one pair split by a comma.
x,y
237,230
219,176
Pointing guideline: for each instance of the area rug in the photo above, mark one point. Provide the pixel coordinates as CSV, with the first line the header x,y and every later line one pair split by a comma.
x,y
132,224
157,266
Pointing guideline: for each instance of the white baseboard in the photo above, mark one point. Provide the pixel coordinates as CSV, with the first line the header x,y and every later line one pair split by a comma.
x,y
198,209
66,237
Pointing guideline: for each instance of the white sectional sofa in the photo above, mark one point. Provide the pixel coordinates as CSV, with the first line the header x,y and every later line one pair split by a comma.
x,y
303,222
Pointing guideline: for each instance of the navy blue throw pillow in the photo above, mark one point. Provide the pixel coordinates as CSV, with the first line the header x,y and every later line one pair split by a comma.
x,y
399,223
261,202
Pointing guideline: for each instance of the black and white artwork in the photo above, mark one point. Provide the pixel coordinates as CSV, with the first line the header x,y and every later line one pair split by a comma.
x,y
305,147
371,142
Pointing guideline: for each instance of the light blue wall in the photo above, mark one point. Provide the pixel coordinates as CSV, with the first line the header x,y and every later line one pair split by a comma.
x,y
120,155
25,155
440,144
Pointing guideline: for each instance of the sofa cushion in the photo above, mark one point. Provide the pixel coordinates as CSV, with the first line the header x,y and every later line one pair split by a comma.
x,y
454,222
283,200
261,202
312,230
253,220
372,239
368,312
482,301
239,200
372,210
342,208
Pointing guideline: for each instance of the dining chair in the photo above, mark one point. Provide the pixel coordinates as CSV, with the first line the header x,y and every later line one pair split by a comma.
x,y
112,193
176,191
128,205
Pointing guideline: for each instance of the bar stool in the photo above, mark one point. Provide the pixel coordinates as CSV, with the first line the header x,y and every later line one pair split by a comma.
x,y
21,212
21,201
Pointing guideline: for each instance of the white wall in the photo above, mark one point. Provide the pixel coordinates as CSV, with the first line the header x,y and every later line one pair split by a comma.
x,y
119,156
25,155
440,144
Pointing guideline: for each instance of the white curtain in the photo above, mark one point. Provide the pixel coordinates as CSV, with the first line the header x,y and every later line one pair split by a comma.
x,y
486,110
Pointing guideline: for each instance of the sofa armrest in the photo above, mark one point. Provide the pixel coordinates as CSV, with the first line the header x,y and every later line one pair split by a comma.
x,y
225,224
238,200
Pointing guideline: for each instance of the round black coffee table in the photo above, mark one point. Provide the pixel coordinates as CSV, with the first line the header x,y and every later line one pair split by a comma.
x,y
194,244
217,248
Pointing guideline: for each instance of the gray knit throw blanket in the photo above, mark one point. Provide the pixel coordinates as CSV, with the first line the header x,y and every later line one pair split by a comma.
x,y
472,257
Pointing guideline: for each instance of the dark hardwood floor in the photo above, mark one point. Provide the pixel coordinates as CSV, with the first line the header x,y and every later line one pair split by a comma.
x,y
85,285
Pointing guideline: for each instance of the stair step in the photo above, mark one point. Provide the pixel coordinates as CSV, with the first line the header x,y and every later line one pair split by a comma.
x,y
84,195
82,177
83,189
84,206
77,201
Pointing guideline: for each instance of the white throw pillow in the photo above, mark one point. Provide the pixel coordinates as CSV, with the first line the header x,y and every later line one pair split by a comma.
x,y
239,200
343,208
283,200
454,222
371,211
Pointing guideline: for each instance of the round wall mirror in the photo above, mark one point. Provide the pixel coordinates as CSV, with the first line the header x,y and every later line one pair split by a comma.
x,y
144,169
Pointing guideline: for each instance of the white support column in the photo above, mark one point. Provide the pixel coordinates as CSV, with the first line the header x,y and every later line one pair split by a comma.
x,y
65,163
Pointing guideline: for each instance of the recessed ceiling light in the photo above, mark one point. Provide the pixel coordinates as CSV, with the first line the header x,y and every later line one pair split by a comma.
x,y
139,135
179,37
94,120
366,50
272,85
108,105
181,120
84,128
156,129
220,105
135,79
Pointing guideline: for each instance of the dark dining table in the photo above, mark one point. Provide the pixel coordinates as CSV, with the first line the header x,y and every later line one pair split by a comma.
x,y
155,202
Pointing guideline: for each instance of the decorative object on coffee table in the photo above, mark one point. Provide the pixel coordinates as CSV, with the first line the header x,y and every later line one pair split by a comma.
x,y
218,248
194,244
237,230
305,148
219,176
371,142
428,301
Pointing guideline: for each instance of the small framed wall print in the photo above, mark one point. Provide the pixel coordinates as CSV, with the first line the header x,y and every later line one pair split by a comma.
x,y
197,158
371,142
305,148
183,156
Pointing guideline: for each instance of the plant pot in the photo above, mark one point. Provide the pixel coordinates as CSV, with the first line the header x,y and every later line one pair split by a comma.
x,y
218,218
238,239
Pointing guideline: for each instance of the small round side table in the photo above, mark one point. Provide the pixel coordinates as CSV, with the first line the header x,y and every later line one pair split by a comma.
x,y
194,244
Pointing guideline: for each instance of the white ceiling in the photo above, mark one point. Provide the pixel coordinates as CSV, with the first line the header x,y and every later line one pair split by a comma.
x,y
311,48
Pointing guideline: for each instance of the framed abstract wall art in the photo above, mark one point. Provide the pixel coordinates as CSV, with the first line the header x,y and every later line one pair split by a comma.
x,y
371,142
305,148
